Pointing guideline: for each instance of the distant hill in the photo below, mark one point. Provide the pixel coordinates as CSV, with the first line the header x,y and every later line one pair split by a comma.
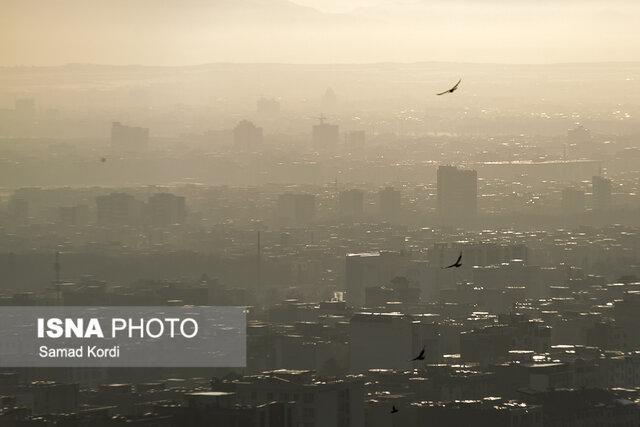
x,y
174,32
89,13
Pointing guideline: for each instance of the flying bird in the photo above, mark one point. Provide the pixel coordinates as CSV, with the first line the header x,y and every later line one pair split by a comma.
x,y
103,159
419,357
394,409
453,89
456,264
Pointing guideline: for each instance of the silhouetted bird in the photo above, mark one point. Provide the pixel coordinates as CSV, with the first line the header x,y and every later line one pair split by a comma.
x,y
394,409
103,159
457,263
419,357
453,89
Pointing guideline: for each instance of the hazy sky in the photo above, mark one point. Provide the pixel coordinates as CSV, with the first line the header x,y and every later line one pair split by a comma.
x,y
177,32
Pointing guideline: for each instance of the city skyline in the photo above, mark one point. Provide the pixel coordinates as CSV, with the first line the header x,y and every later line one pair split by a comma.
x,y
319,213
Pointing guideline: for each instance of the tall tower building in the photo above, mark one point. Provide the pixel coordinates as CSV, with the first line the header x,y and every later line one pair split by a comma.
x,y
457,194
601,193
389,200
166,209
351,203
325,135
247,136
118,209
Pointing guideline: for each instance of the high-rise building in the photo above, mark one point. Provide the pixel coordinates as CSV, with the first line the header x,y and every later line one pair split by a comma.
x,y
457,194
601,193
355,138
129,138
118,209
296,208
572,201
389,203
325,135
247,136
625,313
73,215
166,209
363,270
368,330
351,203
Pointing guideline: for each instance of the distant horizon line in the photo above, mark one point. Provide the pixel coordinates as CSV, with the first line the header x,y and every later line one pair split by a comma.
x,y
204,64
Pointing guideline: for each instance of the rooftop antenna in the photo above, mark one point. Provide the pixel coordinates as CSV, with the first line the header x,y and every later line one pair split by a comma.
x,y
56,283
259,262
56,267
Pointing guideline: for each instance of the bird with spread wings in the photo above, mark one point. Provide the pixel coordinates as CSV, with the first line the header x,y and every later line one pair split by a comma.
x,y
419,356
456,264
453,89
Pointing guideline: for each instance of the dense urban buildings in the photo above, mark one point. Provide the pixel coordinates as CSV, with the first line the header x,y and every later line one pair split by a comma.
x,y
408,260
